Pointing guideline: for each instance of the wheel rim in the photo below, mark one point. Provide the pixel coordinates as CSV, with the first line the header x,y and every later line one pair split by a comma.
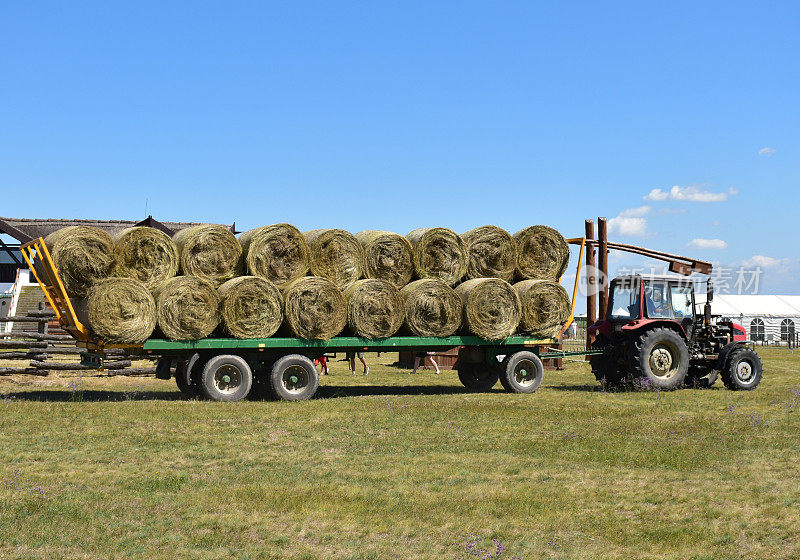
x,y
664,360
745,372
295,379
525,373
227,379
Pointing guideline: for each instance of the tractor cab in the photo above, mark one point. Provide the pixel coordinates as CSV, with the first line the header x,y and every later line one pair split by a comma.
x,y
637,302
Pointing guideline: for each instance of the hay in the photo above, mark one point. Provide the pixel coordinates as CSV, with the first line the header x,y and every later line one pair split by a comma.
x,y
545,307
542,253
187,308
252,307
374,308
492,253
336,255
491,308
438,253
145,254
431,308
209,251
314,308
118,310
388,256
278,253
82,255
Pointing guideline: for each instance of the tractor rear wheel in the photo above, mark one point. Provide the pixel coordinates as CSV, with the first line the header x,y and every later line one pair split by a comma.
x,y
605,366
742,371
660,359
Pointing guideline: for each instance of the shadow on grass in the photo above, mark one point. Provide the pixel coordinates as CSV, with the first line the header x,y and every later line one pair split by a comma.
x,y
334,391
90,395
326,392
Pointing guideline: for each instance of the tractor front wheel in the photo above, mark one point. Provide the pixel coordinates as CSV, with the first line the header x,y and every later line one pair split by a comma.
x,y
743,370
660,359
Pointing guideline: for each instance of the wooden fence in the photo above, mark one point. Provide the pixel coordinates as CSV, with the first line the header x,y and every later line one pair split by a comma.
x,y
39,348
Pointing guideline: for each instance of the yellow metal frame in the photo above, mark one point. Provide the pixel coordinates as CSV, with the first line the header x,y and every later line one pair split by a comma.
x,y
582,241
35,253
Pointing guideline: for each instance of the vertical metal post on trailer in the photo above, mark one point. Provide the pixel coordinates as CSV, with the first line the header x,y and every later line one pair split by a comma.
x,y
591,310
602,264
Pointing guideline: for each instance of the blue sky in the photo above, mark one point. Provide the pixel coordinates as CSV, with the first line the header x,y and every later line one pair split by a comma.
x,y
398,115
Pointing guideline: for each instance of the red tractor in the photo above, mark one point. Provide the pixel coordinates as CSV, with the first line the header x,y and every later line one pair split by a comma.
x,y
653,336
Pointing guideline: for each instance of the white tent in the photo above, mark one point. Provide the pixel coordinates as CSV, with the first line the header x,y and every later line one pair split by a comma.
x,y
770,318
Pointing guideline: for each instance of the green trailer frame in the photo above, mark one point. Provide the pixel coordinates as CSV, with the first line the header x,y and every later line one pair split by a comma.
x,y
214,365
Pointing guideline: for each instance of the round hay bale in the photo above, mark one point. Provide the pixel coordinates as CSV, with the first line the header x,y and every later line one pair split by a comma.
x,y
336,255
542,253
491,308
82,255
545,307
388,256
314,308
492,253
145,254
252,307
374,308
118,310
439,253
431,308
187,308
278,253
209,251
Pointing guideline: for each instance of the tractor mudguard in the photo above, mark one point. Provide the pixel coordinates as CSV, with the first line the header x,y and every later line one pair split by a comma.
x,y
640,325
725,352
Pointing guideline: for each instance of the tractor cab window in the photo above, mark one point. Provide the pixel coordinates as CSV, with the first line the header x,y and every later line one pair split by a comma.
x,y
624,301
682,301
657,300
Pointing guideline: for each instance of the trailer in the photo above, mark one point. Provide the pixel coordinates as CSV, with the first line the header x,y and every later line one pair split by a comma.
x,y
228,369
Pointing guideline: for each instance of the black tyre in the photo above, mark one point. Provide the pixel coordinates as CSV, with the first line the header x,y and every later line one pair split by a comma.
x,y
477,376
226,378
743,370
522,372
294,378
605,366
700,377
191,388
660,359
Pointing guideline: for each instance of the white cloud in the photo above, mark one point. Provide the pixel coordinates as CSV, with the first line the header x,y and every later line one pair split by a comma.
x,y
691,193
707,243
763,261
767,152
672,211
637,212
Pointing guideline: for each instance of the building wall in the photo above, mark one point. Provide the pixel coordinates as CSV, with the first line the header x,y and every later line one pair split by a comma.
x,y
772,325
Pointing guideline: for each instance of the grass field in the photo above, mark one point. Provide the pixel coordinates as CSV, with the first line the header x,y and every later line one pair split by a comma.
x,y
400,466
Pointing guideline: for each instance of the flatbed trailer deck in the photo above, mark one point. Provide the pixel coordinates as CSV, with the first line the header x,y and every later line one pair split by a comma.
x,y
226,369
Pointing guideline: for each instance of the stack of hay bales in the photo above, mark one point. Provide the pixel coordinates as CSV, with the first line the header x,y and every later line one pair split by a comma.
x,y
314,285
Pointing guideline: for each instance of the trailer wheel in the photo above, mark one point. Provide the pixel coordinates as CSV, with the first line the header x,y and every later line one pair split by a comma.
x,y
477,376
226,378
190,388
743,370
294,378
522,372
